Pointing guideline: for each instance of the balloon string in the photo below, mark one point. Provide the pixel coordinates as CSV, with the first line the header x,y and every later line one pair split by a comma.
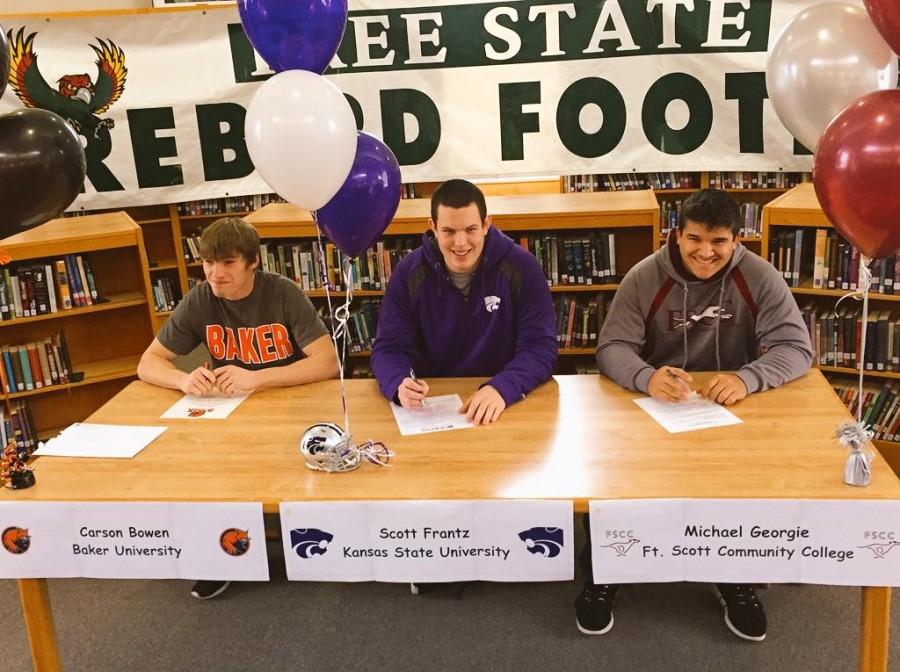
x,y
337,318
862,292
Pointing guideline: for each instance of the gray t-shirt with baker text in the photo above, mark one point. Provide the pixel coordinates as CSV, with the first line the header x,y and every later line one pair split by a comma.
x,y
268,328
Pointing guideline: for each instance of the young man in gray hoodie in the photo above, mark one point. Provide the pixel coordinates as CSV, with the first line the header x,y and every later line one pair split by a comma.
x,y
700,303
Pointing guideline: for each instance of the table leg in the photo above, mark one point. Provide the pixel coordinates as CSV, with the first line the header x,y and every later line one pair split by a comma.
x,y
39,624
875,629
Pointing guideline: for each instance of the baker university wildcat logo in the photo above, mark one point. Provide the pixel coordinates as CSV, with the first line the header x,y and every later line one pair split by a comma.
x,y
235,541
16,540
545,541
309,541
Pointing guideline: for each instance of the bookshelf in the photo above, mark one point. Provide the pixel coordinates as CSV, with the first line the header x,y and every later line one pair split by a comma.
x,y
631,216
104,340
797,209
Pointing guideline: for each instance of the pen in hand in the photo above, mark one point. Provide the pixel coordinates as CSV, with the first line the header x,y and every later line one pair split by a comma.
x,y
412,374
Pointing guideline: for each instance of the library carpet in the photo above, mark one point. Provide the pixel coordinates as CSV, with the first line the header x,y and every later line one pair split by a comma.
x,y
325,627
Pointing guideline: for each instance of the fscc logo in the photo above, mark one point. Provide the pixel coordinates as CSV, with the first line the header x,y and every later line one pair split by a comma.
x,y
619,534
880,535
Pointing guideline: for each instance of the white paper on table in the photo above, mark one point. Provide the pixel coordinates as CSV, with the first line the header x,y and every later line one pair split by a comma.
x,y
208,407
440,414
694,413
91,440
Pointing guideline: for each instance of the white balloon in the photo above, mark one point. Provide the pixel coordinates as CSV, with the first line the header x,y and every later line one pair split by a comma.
x,y
825,58
301,136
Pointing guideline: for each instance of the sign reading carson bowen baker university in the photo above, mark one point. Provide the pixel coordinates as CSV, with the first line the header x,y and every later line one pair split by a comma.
x,y
133,540
479,89
832,542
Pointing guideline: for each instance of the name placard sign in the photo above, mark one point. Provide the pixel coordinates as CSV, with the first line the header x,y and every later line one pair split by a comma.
x,y
134,540
428,541
832,542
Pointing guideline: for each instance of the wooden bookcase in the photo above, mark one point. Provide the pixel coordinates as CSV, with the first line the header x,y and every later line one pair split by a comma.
x,y
633,215
105,340
799,208
163,227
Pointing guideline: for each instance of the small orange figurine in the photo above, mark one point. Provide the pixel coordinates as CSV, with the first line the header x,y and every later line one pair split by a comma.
x,y
13,472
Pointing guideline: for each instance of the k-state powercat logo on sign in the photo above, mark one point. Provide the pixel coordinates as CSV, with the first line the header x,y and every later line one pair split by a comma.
x,y
309,541
545,541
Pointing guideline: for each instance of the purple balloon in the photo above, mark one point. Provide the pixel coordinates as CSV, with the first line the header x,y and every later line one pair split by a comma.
x,y
295,34
366,203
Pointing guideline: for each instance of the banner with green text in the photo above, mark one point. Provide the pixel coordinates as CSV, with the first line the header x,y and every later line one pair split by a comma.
x,y
456,89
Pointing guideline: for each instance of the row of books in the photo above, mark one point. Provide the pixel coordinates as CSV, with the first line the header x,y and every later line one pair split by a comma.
x,y
750,180
751,216
588,259
631,181
829,260
362,325
836,336
300,261
578,320
27,290
230,204
166,294
18,425
35,365
881,407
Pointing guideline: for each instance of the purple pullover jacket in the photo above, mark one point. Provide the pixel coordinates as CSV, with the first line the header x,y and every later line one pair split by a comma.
x,y
506,329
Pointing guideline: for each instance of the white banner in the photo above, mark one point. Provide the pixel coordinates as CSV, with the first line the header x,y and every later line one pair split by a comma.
x,y
831,542
133,541
472,89
426,541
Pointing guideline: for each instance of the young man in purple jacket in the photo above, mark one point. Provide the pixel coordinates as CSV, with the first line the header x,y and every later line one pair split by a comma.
x,y
700,303
468,302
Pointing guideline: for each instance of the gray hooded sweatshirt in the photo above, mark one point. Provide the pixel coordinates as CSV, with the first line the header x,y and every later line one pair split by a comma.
x,y
745,321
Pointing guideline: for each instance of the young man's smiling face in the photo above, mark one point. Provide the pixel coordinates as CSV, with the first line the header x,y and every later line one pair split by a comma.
x,y
705,252
231,277
460,236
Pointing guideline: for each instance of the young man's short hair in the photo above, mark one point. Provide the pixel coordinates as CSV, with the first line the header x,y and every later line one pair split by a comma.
x,y
714,209
457,194
227,237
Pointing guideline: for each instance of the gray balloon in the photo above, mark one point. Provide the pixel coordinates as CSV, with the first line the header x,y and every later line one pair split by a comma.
x,y
825,58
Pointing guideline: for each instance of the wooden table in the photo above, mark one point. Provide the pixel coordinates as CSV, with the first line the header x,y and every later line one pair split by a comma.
x,y
576,438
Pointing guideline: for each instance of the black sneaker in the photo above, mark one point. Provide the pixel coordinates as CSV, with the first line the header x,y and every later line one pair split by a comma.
x,y
594,608
204,590
420,588
744,613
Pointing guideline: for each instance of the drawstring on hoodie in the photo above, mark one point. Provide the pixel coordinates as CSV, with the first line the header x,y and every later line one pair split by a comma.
x,y
719,320
684,329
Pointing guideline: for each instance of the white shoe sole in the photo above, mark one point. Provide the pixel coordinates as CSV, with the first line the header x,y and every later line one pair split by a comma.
x,y
585,631
221,590
728,622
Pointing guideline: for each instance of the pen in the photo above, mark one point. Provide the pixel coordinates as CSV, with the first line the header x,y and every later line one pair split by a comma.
x,y
412,374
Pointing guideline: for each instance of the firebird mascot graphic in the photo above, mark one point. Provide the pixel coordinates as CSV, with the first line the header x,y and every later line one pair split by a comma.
x,y
78,99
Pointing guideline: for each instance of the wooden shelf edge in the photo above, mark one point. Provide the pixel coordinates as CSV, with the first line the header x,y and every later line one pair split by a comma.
x,y
116,302
94,372
855,372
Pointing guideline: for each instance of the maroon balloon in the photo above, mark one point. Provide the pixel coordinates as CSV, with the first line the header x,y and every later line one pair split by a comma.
x,y
885,14
857,173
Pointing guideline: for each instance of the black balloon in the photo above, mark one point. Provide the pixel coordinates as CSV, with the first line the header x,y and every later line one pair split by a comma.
x,y
41,169
4,61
